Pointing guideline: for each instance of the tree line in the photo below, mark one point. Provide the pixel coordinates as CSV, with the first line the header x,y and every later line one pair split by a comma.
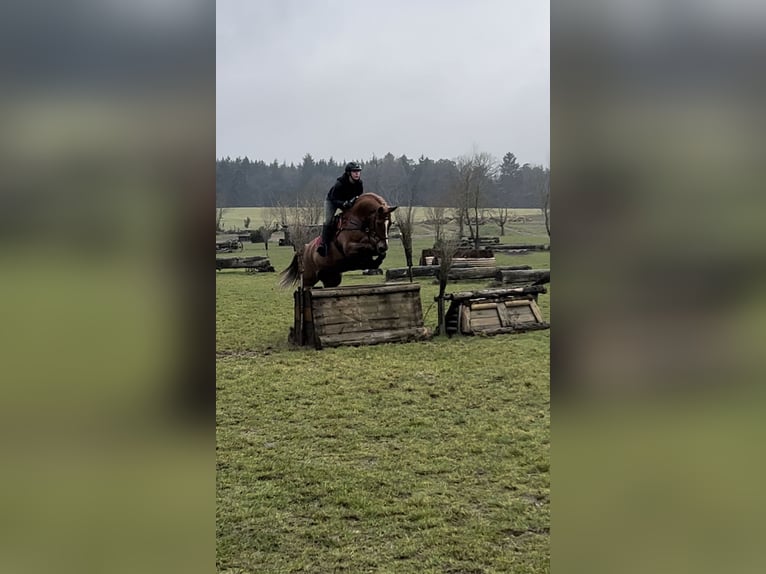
x,y
468,183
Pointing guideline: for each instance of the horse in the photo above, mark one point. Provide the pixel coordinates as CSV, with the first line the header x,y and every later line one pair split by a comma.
x,y
360,242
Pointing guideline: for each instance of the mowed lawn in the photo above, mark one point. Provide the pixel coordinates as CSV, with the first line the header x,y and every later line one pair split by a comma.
x,y
419,457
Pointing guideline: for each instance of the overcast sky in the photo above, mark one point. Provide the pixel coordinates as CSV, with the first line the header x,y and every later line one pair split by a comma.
x,y
349,79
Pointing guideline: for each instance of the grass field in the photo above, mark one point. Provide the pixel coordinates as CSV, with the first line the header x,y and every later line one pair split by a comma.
x,y
420,457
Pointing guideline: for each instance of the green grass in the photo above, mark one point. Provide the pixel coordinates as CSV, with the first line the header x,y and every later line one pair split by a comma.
x,y
420,457
234,218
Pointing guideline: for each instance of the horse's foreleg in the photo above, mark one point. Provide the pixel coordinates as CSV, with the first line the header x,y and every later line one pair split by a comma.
x,y
376,261
357,248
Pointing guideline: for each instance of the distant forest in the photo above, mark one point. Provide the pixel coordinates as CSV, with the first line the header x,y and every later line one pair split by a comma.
x,y
243,182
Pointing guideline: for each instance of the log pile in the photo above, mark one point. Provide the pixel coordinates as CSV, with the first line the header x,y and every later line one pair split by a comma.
x,y
520,248
465,273
256,264
431,256
523,277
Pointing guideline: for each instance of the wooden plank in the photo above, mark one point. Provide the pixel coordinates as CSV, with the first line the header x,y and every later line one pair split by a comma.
x,y
434,254
483,323
474,262
519,276
371,308
536,311
465,319
364,290
365,323
521,247
521,315
297,331
517,328
383,325
478,306
494,293
502,314
455,273
378,337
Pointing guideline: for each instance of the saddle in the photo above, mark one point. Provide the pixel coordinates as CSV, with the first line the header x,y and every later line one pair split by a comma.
x,y
339,220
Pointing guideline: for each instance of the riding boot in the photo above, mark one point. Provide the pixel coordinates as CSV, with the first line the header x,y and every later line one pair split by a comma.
x,y
324,243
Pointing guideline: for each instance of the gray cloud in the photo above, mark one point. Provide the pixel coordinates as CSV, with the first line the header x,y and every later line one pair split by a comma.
x,y
349,79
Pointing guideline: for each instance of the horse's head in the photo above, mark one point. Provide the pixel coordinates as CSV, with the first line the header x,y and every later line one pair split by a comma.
x,y
375,216
380,224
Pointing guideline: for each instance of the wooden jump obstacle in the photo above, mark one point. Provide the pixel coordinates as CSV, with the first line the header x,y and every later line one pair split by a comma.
x,y
358,315
494,311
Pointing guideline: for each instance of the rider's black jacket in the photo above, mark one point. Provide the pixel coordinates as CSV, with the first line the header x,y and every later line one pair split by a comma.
x,y
344,190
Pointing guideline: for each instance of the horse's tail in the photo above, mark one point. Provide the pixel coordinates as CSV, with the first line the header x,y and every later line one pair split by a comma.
x,y
291,275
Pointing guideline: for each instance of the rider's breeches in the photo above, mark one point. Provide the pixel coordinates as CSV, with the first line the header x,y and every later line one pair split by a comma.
x,y
329,211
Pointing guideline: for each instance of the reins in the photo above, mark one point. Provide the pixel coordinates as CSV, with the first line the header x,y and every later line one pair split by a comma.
x,y
369,229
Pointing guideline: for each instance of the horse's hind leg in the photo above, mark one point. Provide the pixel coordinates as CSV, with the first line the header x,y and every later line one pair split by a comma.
x,y
330,279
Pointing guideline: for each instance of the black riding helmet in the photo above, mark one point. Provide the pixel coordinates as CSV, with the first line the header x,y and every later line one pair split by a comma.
x,y
353,166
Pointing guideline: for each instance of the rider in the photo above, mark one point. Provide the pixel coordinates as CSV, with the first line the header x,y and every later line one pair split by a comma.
x,y
342,195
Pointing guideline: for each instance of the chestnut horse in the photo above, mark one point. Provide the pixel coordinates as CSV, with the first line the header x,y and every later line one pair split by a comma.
x,y
360,242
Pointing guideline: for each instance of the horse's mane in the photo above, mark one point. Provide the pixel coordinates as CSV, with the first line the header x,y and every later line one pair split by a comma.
x,y
372,198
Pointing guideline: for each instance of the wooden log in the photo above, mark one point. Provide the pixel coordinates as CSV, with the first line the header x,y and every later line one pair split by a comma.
x,y
474,262
258,262
472,272
417,271
482,240
521,247
519,277
431,256
296,335
365,290
496,293
455,273
520,328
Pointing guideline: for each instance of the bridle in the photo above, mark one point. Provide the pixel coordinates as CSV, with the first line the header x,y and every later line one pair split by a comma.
x,y
359,225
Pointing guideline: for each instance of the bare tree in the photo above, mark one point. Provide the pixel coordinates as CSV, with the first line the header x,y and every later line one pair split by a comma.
x,y
269,220
303,220
264,234
458,214
310,212
395,185
404,220
435,217
500,216
219,218
310,201
475,176
461,197
281,213
545,191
